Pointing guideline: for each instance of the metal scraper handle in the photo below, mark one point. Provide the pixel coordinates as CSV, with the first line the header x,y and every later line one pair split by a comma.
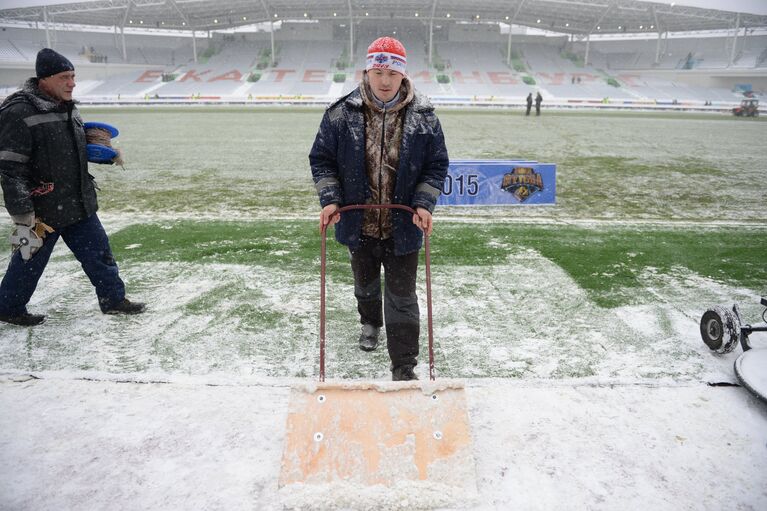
x,y
427,257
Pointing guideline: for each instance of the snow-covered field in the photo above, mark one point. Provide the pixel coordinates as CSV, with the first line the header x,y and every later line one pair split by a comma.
x,y
91,444
573,404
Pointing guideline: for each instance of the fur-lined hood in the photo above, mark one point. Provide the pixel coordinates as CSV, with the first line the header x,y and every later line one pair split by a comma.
x,y
31,93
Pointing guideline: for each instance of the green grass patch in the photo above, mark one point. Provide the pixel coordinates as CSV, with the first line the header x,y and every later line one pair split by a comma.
x,y
606,262
284,244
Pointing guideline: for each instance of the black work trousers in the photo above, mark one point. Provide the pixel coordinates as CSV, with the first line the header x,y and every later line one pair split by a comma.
x,y
400,304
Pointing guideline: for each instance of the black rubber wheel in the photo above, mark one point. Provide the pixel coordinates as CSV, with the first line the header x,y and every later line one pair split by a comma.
x,y
720,329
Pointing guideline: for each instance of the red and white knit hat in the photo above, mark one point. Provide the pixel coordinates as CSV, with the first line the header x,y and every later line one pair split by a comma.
x,y
386,53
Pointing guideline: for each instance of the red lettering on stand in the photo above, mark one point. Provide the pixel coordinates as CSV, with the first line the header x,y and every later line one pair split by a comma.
x,y
314,76
234,75
279,74
555,79
501,78
422,77
475,76
149,76
192,75
629,80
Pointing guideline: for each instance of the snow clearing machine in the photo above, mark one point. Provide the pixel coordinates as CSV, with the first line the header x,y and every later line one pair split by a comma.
x,y
747,108
722,329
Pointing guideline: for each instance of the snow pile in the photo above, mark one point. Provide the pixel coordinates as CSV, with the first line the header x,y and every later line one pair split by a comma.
x,y
401,496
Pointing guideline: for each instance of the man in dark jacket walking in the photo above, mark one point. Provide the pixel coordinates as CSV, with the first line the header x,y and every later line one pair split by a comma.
x,y
45,180
529,103
382,144
538,100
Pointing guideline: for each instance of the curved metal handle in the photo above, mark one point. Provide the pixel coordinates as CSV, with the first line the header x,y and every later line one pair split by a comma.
x,y
427,257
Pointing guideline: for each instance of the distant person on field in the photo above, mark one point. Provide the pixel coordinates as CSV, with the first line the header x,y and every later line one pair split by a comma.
x,y
538,101
45,180
529,103
382,144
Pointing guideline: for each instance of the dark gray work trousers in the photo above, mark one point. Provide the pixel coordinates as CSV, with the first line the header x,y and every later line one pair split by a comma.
x,y
400,304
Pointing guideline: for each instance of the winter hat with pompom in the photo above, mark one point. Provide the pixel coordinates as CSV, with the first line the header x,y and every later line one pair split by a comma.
x,y
386,53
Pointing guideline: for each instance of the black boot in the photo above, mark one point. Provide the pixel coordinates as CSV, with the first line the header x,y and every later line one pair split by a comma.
x,y
369,337
25,319
126,307
403,373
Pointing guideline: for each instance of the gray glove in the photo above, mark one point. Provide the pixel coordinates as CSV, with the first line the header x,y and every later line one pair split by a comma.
x,y
27,219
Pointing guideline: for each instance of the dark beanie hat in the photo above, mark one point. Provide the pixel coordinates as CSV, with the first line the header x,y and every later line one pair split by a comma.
x,y
50,63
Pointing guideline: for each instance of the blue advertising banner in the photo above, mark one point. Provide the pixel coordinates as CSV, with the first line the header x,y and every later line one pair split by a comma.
x,y
499,182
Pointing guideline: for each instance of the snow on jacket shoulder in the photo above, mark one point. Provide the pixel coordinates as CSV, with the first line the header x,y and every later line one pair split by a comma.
x,y
337,161
42,142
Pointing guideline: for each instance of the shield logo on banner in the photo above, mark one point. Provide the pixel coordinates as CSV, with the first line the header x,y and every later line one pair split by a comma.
x,y
522,182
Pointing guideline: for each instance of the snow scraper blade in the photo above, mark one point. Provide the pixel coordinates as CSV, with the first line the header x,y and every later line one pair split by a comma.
x,y
381,433
399,440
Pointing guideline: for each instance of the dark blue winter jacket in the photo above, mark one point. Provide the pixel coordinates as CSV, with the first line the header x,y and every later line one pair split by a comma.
x,y
42,141
337,160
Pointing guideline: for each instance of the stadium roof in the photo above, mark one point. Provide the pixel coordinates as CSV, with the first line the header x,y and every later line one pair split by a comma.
x,y
564,16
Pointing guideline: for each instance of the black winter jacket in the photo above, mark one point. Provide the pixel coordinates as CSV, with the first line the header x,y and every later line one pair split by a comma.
x,y
42,141
337,160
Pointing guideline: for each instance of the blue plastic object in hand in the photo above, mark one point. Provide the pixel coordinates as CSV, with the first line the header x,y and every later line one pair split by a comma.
x,y
100,153
101,125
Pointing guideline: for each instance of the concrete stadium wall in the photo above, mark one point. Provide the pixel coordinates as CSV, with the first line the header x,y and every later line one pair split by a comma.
x,y
757,79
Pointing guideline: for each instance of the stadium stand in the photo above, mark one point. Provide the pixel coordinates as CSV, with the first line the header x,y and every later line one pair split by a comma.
x,y
469,64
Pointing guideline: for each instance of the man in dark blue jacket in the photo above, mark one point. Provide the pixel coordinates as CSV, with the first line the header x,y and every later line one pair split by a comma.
x,y
382,144
45,180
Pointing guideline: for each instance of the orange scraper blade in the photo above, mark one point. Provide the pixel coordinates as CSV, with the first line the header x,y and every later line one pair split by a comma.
x,y
378,434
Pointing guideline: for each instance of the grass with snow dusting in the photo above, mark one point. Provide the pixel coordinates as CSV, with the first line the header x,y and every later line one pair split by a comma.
x,y
213,224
